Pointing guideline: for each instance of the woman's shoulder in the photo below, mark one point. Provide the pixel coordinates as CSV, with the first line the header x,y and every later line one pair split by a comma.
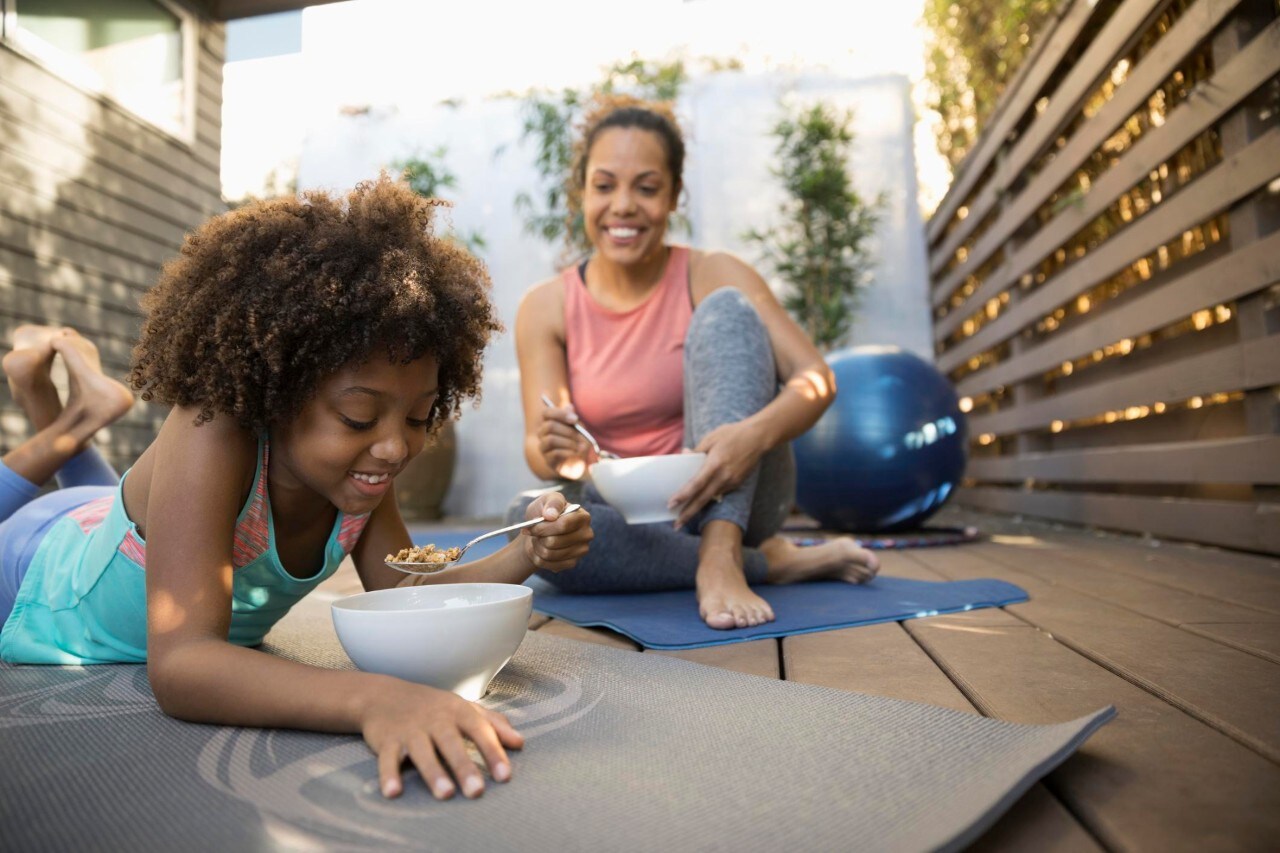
x,y
543,304
714,269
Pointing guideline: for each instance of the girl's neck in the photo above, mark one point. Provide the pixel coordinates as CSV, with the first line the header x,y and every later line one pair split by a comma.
x,y
629,281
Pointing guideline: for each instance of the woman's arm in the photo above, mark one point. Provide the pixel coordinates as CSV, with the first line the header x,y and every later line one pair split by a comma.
x,y
197,675
808,388
552,447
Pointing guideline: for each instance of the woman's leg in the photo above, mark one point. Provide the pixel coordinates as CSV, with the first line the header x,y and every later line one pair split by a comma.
x,y
626,557
61,443
730,375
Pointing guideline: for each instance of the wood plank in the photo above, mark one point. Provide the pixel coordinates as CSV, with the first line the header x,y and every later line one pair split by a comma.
x,y
1214,190
1229,85
183,160
54,251
1234,275
1151,779
753,657
600,636
26,279
1177,608
884,660
23,205
1251,364
53,187
1232,524
1229,690
1249,459
1052,45
29,119
1210,573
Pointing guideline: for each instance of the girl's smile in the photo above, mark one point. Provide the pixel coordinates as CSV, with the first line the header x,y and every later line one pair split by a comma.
x,y
359,431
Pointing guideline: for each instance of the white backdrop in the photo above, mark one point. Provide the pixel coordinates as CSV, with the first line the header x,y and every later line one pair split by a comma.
x,y
730,189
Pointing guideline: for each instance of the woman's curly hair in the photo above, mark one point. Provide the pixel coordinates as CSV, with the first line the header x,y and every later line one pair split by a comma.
x,y
266,301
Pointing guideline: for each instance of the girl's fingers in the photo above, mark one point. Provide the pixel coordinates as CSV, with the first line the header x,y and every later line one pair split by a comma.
x,y
482,734
423,755
389,759
451,748
506,732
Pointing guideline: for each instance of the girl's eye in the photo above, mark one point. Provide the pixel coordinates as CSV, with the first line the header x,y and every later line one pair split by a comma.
x,y
418,423
357,425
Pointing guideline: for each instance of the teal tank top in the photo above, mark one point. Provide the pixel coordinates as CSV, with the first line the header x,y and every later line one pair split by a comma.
x,y
83,599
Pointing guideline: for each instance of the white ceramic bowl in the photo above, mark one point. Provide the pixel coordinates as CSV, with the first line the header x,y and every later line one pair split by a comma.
x,y
452,636
639,487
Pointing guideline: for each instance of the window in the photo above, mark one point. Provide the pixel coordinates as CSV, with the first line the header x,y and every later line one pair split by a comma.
x,y
139,53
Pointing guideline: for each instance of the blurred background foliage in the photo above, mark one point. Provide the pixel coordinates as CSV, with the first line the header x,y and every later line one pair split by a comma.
x,y
973,49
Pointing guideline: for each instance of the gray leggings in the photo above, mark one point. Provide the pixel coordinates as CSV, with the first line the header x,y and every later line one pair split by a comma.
x,y
729,374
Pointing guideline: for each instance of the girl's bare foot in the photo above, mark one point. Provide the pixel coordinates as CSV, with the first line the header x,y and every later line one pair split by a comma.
x,y
27,369
724,599
94,398
835,559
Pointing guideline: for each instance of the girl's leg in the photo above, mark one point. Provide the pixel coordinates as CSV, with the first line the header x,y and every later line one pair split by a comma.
x,y
62,432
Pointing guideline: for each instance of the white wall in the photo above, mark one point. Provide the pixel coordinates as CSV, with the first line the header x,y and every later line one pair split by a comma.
x,y
730,191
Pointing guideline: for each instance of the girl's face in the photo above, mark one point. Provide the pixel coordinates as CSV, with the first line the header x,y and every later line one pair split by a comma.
x,y
362,427
629,194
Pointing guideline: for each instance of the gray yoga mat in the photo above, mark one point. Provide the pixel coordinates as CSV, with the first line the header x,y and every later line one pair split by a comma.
x,y
625,751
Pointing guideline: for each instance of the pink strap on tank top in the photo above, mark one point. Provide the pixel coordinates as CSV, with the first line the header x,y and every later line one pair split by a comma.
x,y
626,369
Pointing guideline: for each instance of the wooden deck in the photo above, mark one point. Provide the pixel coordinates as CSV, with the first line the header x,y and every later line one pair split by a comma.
x,y
1184,641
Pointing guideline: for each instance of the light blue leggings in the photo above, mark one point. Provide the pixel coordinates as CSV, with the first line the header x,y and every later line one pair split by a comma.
x,y
25,515
729,374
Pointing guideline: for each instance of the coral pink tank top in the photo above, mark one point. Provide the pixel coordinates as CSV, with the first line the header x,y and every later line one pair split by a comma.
x,y
626,369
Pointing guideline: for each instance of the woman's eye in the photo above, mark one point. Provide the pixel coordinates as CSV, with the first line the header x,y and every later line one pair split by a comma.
x,y
357,425
649,190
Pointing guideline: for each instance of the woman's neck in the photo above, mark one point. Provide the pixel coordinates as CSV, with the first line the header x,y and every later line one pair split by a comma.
x,y
628,281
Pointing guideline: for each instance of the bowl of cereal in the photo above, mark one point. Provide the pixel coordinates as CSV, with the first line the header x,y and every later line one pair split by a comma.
x,y
454,636
640,486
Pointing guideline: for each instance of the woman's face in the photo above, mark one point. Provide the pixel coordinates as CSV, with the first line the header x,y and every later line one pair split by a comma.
x,y
629,194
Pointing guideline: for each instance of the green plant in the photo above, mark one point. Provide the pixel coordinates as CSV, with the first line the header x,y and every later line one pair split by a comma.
x,y
820,246
427,174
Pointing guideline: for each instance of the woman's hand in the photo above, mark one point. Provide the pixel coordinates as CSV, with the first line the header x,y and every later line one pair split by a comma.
x,y
430,727
562,446
562,540
733,451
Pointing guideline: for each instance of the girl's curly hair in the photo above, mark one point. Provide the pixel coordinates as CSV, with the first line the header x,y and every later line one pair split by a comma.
x,y
266,301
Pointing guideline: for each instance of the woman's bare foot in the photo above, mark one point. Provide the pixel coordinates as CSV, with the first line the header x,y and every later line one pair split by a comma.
x,y
27,368
835,559
94,398
724,599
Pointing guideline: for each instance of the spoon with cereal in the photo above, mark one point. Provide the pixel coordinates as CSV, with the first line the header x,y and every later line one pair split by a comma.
x,y
428,559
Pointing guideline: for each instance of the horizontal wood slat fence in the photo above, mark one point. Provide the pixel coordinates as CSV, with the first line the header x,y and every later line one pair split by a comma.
x,y
1106,275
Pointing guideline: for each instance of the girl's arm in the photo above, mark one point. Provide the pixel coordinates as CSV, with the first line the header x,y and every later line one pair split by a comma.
x,y
555,546
552,447
195,495
808,388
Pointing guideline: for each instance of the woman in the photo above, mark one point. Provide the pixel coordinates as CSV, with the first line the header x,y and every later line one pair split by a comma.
x,y
657,348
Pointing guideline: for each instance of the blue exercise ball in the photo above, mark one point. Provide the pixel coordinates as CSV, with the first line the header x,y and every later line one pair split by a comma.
x,y
889,451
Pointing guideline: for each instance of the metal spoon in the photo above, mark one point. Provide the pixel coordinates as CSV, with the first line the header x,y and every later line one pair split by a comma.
x,y
432,568
603,454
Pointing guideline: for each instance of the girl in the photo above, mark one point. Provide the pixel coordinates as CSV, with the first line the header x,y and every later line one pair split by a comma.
x,y
659,347
308,348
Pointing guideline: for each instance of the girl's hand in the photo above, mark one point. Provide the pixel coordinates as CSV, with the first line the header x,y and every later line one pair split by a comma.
x,y
430,727
562,541
733,451
562,446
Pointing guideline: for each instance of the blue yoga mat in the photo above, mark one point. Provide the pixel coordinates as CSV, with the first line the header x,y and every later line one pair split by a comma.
x,y
670,620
